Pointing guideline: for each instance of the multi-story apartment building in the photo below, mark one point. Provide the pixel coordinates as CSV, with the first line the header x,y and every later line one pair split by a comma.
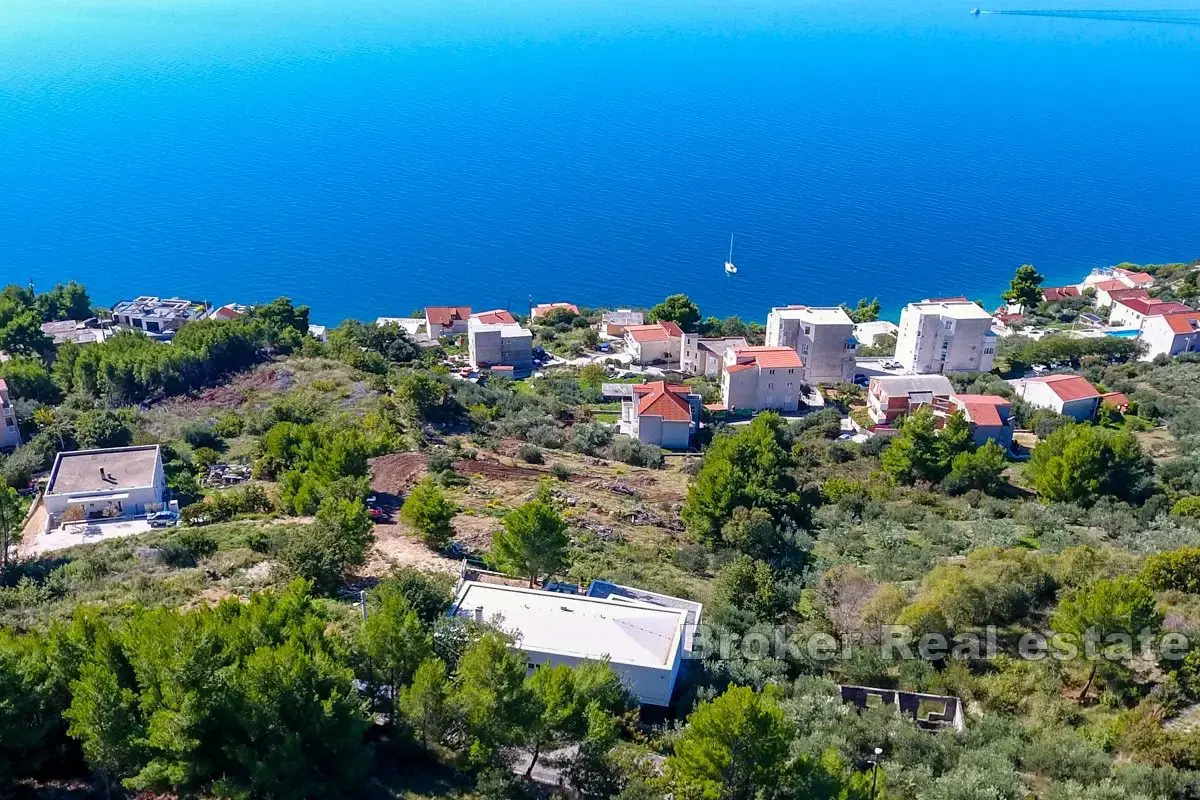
x,y
823,337
945,335
10,435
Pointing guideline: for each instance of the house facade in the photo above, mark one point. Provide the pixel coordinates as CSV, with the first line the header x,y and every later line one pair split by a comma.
x,y
893,396
156,316
945,335
867,333
495,339
823,338
761,379
442,321
1071,395
658,343
112,482
1133,312
10,434
662,414
706,356
1109,291
1171,334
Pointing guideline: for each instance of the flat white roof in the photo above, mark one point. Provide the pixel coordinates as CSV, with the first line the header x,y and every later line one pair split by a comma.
x,y
508,330
818,315
957,309
580,626
103,471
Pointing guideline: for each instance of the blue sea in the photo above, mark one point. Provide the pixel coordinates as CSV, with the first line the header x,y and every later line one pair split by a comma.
x,y
371,156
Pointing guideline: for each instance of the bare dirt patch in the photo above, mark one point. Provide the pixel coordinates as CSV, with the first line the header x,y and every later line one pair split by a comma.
x,y
397,546
395,472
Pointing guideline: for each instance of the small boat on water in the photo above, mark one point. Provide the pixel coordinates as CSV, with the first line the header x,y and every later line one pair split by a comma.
x,y
975,12
730,268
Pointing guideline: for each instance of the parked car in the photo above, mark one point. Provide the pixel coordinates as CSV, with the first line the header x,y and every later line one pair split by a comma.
x,y
162,519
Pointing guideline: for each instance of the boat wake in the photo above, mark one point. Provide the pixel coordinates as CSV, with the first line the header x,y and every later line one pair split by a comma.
x,y
1156,16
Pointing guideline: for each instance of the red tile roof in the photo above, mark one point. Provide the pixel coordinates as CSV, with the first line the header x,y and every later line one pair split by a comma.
x,y
1152,306
1183,322
496,317
1109,285
984,409
739,367
1056,293
1127,293
447,315
1068,387
1140,278
656,332
545,308
770,357
1117,399
662,399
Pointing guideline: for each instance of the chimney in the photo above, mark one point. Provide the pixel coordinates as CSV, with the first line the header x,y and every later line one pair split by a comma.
x,y
479,613
103,477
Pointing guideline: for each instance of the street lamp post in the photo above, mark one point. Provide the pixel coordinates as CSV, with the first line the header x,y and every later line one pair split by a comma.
x,y
875,770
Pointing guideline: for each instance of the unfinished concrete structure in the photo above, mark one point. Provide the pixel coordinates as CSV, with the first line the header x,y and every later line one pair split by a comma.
x,y
930,711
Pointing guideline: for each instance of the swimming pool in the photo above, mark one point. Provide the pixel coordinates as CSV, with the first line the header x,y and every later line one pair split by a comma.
x,y
1125,333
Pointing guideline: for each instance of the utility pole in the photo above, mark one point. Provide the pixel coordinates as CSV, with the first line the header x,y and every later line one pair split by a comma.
x,y
362,603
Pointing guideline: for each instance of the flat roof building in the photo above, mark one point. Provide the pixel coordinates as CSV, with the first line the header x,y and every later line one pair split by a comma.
x,y
156,316
642,641
117,481
945,335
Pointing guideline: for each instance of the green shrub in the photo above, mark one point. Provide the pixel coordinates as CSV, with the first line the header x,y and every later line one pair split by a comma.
x,y
1177,570
560,472
530,454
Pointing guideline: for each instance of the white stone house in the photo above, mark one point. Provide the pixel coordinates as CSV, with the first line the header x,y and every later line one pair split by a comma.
x,y
660,413
1133,312
1171,334
945,335
114,482
10,434
657,343
706,357
823,337
761,379
1071,395
442,321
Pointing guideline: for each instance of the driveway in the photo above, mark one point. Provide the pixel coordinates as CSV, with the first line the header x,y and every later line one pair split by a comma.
x,y
78,533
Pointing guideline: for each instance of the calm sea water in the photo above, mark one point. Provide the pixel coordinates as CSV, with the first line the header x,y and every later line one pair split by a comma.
x,y
371,156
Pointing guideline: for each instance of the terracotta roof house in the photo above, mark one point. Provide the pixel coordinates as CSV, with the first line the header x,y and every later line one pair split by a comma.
x,y
1133,279
1071,395
762,378
990,417
542,309
892,396
706,356
1117,399
660,413
1132,312
1171,334
1056,294
657,343
446,320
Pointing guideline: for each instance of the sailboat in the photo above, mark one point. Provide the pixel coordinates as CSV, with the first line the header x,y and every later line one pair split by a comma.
x,y
730,268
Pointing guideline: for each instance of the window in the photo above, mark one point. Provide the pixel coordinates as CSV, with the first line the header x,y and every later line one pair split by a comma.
x,y
770,385
789,385
987,351
770,372
807,330
804,350
790,371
